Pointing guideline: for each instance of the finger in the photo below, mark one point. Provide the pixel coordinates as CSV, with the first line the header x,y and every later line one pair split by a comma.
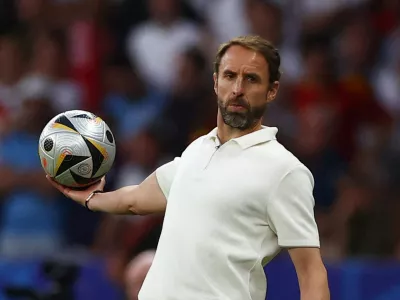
x,y
99,185
102,182
55,184
58,186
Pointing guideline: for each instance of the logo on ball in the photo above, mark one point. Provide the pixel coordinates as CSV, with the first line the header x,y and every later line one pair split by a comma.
x,y
84,169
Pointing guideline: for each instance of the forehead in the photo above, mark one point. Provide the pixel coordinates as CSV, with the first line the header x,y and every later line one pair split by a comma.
x,y
238,57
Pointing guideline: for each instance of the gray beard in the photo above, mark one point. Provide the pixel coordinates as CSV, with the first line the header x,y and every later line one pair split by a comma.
x,y
241,120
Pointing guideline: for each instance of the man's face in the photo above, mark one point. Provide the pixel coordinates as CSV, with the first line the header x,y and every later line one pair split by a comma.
x,y
242,87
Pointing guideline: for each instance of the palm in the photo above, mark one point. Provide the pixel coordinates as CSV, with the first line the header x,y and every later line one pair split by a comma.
x,y
78,195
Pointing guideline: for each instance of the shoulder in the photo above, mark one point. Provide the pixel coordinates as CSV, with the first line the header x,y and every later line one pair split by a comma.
x,y
195,145
277,158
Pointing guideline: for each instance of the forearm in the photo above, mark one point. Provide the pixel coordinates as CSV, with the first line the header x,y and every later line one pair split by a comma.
x,y
121,201
314,286
143,199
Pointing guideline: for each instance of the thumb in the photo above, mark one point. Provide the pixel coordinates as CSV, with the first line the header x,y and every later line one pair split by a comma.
x,y
101,183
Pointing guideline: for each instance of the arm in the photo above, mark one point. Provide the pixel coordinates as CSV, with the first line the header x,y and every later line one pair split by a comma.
x,y
291,216
134,199
148,197
311,273
141,199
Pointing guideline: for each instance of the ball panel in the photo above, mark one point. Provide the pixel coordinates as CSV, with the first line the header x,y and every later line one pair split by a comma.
x,y
108,137
68,145
93,128
44,145
52,129
108,160
84,168
48,144
83,181
49,129
70,161
97,153
67,179
82,116
47,163
64,123
77,112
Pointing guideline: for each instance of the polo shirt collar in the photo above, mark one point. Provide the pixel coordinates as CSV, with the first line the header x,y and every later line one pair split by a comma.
x,y
263,135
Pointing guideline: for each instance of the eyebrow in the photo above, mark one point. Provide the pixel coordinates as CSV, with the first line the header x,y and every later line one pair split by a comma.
x,y
229,71
255,75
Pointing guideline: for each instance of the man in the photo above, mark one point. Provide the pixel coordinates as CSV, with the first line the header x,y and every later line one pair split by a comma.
x,y
233,199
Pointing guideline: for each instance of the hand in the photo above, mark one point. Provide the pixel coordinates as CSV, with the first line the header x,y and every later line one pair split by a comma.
x,y
79,196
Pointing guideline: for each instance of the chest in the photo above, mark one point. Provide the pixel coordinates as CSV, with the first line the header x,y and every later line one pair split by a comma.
x,y
226,184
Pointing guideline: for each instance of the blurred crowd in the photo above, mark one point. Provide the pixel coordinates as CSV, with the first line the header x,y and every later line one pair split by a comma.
x,y
145,67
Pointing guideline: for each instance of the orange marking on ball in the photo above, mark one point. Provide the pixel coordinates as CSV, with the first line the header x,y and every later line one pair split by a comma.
x,y
44,162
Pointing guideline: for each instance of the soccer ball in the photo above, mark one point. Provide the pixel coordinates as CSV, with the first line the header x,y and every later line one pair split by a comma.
x,y
76,148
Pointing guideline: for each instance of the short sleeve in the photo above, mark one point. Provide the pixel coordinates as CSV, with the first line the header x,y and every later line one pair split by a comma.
x,y
166,174
291,210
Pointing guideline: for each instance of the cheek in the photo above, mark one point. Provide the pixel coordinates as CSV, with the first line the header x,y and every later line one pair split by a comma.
x,y
258,96
223,88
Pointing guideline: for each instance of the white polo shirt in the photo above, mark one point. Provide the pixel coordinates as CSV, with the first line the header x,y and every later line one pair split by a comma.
x,y
230,209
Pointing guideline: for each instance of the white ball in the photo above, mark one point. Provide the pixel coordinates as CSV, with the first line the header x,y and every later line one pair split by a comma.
x,y
76,148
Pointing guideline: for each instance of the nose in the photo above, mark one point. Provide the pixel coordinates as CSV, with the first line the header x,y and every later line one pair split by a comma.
x,y
238,89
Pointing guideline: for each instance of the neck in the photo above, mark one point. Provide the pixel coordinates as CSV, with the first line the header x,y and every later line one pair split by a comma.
x,y
226,133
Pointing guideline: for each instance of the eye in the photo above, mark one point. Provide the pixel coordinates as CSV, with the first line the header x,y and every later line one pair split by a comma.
x,y
251,78
229,75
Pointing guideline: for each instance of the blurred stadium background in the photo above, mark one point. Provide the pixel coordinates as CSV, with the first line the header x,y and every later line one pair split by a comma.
x,y
144,66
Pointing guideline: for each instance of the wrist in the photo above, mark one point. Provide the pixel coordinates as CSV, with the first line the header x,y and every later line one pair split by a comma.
x,y
90,197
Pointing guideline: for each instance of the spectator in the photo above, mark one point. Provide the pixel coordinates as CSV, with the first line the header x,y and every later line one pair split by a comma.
x,y
266,19
31,223
11,69
188,106
225,19
48,62
154,45
130,103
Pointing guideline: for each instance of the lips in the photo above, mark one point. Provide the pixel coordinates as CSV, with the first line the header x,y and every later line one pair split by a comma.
x,y
237,102
237,107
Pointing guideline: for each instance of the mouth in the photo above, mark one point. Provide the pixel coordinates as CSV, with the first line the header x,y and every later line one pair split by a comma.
x,y
237,107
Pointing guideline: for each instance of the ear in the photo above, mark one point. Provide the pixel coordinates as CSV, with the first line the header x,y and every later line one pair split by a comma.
x,y
273,91
215,77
